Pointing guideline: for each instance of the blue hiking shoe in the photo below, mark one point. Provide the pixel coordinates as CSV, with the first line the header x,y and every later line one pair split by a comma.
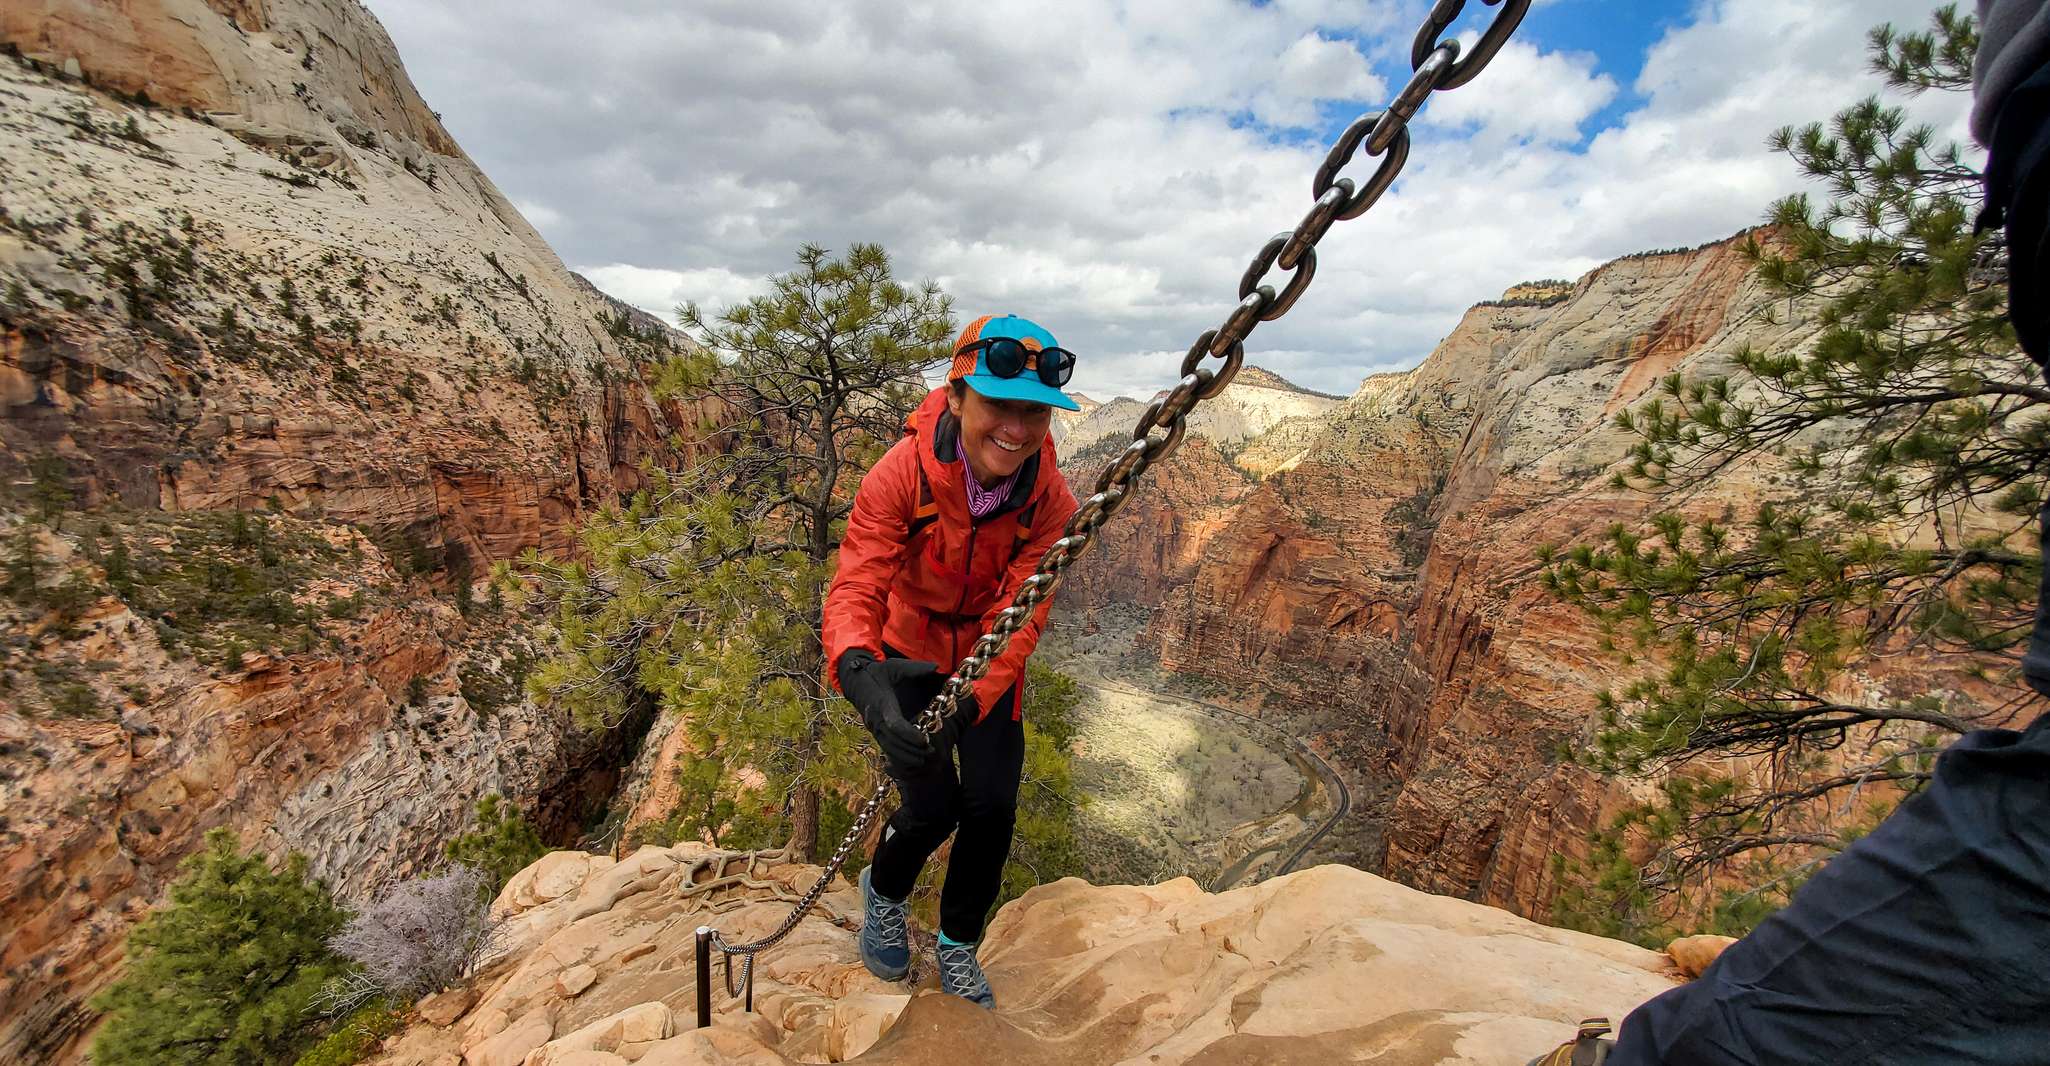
x,y
961,975
885,945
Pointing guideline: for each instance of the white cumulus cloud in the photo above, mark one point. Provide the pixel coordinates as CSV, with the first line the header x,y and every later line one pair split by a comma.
x,y
660,291
1110,167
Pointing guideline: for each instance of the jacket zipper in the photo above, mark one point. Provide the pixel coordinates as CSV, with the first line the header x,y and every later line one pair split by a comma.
x,y
968,571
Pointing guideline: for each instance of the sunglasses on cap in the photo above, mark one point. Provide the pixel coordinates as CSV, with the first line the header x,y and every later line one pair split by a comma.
x,y
1007,357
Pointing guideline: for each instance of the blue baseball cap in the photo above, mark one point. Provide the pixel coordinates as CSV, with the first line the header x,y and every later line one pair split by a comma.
x,y
973,367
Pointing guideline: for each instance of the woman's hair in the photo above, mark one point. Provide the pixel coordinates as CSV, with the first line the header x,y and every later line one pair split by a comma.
x,y
960,388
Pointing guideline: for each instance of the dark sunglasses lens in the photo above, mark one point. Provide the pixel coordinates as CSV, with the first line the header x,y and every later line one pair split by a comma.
x,y
1056,365
1006,357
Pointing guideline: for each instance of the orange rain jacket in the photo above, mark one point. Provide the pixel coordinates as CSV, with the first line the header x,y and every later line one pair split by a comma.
x,y
917,574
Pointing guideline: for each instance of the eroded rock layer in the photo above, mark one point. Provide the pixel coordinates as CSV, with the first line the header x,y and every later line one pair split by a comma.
x,y
1376,589
244,269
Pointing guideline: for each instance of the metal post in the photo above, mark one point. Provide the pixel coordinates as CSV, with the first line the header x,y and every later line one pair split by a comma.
x,y
704,976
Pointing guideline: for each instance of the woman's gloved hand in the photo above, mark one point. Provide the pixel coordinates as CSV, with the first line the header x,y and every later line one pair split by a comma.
x,y
870,684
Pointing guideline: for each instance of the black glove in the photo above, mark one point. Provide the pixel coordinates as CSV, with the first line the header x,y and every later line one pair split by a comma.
x,y
870,684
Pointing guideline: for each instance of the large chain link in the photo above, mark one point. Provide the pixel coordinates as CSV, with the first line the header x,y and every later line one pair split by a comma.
x,y
1436,66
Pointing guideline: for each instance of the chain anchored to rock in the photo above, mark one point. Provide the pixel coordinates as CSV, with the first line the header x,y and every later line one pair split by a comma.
x,y
1437,65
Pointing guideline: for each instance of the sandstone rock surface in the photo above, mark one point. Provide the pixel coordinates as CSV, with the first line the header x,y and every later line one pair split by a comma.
x,y
1693,954
1329,964
444,1007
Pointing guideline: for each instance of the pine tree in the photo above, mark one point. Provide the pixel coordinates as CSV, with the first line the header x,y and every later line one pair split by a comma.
x,y
49,485
24,565
702,595
225,974
503,843
1916,431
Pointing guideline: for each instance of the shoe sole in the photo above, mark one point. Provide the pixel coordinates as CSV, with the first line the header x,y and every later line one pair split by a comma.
x,y
877,969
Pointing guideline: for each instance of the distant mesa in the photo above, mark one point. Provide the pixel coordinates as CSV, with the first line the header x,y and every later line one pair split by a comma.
x,y
1263,378
1542,293
1257,402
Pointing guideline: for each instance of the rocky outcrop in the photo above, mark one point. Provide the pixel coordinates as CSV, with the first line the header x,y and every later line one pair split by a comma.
x,y
1258,402
245,60
1156,542
1376,589
366,749
1694,954
303,292
1330,964
243,268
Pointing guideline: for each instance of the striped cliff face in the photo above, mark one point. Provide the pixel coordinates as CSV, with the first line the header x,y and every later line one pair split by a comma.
x,y
1375,588
247,270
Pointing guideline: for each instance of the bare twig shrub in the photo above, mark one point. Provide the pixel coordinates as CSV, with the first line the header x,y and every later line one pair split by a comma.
x,y
420,936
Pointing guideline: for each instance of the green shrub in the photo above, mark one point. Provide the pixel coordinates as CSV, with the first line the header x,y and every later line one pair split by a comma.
x,y
487,690
502,845
356,1036
74,699
226,973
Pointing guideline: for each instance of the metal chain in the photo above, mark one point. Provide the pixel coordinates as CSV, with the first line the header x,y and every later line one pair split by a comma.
x,y
1385,133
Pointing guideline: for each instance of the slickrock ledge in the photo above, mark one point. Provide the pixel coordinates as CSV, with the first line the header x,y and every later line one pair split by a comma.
x,y
1325,965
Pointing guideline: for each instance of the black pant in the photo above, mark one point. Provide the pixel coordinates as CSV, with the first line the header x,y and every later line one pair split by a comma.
x,y
982,802
1926,942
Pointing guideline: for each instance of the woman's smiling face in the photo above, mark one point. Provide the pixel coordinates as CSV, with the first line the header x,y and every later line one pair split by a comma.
x,y
997,435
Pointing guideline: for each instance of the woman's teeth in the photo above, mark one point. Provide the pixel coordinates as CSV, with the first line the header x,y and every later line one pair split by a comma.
x,y
1005,445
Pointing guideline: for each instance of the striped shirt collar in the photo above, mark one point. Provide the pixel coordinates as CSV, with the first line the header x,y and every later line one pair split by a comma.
x,y
981,501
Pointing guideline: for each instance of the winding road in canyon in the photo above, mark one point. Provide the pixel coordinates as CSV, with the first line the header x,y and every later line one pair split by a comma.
x,y
1319,780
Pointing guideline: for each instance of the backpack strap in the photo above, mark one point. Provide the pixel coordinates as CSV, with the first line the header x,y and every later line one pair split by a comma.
x,y
1587,1048
928,510
1025,517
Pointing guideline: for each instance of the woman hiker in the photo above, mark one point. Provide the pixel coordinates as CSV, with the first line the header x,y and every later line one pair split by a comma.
x,y
945,527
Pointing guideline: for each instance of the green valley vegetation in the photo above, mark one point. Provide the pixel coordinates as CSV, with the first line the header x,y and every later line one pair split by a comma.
x,y
1044,849
213,586
1914,429
226,974
701,595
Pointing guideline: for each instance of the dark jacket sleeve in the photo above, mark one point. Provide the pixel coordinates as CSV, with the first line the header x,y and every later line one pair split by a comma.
x,y
1927,941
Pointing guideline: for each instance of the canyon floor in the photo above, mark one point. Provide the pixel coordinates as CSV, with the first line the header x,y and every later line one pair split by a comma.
x,y
1178,788
1187,779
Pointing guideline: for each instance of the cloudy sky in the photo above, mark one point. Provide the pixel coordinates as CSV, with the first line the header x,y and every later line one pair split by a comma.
x,y
1109,168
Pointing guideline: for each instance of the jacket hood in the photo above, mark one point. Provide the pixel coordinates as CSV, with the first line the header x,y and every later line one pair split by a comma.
x,y
936,429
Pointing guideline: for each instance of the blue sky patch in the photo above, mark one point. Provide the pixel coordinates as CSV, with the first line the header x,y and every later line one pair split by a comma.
x,y
1618,32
